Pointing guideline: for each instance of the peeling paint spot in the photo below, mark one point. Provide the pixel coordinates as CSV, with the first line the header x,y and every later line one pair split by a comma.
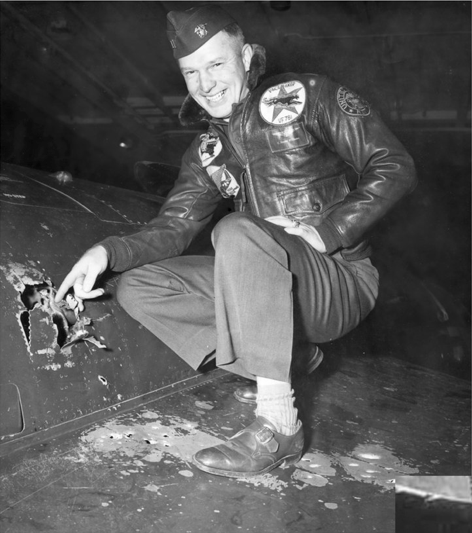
x,y
149,414
186,473
204,405
52,366
318,463
266,480
47,351
331,505
377,468
151,488
179,438
309,478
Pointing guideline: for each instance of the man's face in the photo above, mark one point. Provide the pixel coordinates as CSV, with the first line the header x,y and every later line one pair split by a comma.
x,y
215,74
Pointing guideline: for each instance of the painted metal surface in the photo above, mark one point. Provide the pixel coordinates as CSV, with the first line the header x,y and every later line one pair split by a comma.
x,y
367,420
46,223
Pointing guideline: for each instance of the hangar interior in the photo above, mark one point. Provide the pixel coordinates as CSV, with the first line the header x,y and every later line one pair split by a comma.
x,y
97,432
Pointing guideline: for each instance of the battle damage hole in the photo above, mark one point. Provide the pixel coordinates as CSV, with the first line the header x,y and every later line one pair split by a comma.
x,y
31,297
41,295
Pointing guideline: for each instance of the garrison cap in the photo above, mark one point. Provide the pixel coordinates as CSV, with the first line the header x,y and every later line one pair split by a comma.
x,y
188,30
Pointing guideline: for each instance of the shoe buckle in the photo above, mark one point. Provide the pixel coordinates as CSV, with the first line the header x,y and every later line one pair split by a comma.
x,y
264,435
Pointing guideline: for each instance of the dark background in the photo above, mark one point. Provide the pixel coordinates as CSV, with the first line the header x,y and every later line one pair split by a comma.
x,y
80,78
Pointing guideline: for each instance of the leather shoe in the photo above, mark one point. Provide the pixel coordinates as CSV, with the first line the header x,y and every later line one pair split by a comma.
x,y
255,450
248,393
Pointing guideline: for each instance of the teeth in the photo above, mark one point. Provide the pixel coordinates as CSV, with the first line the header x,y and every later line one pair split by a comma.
x,y
215,97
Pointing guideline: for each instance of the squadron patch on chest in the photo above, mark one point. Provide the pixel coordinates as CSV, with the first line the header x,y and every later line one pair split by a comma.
x,y
283,103
352,104
210,148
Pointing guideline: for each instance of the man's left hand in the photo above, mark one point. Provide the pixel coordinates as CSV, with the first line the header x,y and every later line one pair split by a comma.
x,y
306,232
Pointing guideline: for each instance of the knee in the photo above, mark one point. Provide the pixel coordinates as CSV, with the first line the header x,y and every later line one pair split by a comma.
x,y
126,292
231,229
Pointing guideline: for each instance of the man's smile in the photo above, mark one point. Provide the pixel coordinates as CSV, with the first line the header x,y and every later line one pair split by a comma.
x,y
216,97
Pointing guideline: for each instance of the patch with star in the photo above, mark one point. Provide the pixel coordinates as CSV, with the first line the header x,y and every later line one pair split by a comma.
x,y
351,103
283,103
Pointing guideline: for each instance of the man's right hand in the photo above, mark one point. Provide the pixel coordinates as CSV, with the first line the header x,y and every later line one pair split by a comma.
x,y
83,276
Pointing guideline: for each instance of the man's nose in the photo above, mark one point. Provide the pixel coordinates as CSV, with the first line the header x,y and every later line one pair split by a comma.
x,y
206,82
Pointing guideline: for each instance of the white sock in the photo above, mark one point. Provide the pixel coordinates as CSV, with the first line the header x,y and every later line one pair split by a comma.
x,y
275,402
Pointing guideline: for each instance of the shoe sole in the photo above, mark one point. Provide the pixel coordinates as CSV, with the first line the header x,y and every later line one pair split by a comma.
x,y
284,461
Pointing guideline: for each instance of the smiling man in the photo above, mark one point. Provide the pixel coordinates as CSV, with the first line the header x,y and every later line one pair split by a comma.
x,y
311,168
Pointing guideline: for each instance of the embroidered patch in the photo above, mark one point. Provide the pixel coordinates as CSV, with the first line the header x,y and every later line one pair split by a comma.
x,y
283,103
352,104
224,180
210,147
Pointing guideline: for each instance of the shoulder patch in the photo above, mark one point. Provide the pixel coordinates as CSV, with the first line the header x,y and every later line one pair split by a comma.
x,y
352,104
283,103
210,148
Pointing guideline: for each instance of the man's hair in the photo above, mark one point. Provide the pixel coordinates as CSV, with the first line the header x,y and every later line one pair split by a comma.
x,y
235,31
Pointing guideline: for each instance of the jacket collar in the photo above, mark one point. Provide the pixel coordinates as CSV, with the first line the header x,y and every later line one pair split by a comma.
x,y
191,112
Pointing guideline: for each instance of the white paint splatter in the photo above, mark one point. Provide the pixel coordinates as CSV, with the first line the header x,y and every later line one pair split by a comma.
x,y
149,414
186,473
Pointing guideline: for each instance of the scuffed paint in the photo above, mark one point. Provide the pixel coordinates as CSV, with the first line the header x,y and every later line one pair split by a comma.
x,y
331,505
155,437
174,436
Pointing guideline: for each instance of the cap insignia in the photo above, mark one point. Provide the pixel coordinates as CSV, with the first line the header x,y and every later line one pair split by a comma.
x,y
201,31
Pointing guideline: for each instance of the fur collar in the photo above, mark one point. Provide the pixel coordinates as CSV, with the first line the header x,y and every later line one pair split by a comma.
x,y
191,112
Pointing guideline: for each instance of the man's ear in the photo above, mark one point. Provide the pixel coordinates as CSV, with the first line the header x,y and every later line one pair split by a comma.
x,y
247,53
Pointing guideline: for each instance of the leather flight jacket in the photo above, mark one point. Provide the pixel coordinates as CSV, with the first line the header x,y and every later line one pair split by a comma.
x,y
299,145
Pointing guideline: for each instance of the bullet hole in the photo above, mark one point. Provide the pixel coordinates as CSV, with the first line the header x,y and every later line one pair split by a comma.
x,y
41,295
147,441
103,380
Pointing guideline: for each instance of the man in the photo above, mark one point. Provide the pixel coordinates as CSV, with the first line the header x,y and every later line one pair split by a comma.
x,y
311,168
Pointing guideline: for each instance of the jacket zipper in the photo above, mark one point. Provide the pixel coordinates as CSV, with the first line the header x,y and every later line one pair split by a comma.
x,y
250,187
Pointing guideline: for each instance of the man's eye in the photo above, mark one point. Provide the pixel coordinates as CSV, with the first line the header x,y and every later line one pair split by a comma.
x,y
215,65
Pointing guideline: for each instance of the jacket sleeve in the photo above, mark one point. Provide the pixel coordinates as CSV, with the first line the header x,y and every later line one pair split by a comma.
x,y
385,169
187,210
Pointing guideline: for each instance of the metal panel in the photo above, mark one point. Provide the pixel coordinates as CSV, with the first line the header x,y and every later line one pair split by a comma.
x,y
46,224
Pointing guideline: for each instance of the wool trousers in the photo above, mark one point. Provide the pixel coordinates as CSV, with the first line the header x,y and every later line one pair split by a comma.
x,y
262,293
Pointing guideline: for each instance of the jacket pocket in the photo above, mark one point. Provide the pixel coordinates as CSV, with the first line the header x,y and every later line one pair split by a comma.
x,y
313,202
